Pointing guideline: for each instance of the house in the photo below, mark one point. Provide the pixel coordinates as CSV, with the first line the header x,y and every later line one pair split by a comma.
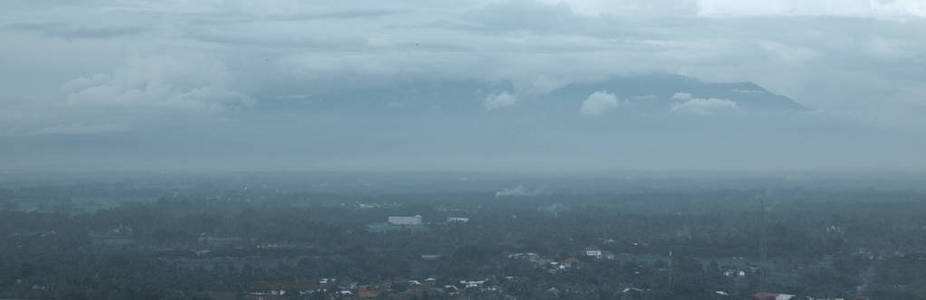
x,y
430,281
399,220
593,252
278,289
266,294
472,283
525,255
775,296
457,220
734,273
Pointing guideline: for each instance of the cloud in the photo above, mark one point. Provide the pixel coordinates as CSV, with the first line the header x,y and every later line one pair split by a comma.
x,y
294,47
256,35
299,17
843,8
630,7
598,103
681,96
742,91
502,99
159,83
546,18
10,114
700,106
739,8
519,191
9,120
70,129
788,53
63,30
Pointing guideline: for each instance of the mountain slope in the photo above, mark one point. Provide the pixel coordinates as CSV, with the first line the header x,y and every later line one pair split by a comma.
x,y
645,93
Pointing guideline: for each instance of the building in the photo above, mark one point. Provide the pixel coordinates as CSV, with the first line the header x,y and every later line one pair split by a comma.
x,y
399,224
430,257
775,296
219,242
395,220
593,252
457,220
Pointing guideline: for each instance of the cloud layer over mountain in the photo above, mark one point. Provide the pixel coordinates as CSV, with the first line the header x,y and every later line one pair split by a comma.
x,y
473,84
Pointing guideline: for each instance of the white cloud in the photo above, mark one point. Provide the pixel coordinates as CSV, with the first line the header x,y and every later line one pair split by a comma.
x,y
734,8
846,8
681,96
788,53
700,106
629,7
295,46
598,103
539,84
502,99
159,83
747,91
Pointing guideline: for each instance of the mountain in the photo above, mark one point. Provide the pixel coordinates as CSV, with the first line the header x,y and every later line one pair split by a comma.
x,y
650,93
661,91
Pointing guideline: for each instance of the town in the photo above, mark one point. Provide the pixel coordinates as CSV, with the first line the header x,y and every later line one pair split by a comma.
x,y
661,240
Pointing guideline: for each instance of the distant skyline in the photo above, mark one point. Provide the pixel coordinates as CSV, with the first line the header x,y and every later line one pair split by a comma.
x,y
472,85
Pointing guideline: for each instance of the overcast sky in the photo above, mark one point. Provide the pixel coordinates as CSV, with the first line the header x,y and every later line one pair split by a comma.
x,y
86,83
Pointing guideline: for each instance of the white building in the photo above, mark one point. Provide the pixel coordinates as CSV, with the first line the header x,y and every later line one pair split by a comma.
x,y
416,220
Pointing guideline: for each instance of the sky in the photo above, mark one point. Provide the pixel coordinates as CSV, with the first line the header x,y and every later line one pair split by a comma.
x,y
212,84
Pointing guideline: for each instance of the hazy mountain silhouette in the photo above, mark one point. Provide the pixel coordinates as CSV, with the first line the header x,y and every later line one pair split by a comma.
x,y
645,93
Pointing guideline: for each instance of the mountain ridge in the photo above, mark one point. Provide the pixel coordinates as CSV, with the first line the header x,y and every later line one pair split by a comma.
x,y
651,92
